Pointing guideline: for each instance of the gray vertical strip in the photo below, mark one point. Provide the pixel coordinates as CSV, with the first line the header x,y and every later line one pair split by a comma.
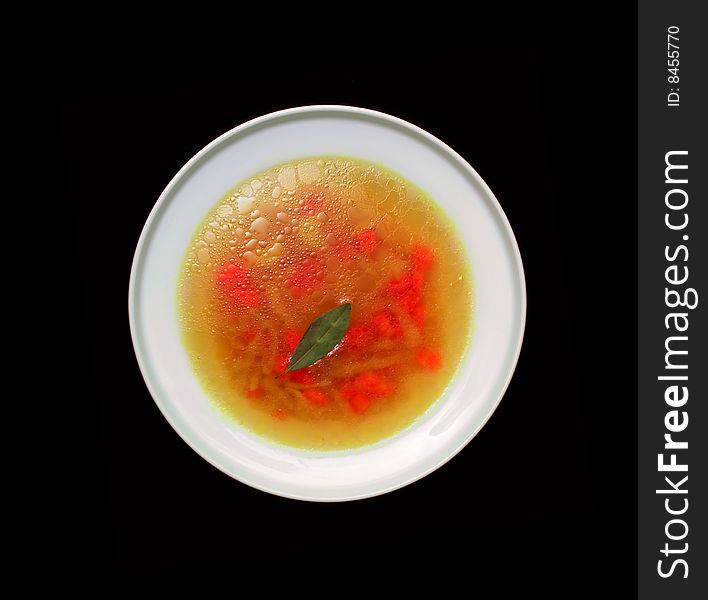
x,y
672,344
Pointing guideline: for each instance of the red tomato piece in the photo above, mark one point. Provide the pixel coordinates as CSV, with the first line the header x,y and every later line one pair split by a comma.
x,y
359,403
316,397
428,359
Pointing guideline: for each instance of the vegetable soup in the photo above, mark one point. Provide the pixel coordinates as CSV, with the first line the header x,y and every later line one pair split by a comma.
x,y
278,252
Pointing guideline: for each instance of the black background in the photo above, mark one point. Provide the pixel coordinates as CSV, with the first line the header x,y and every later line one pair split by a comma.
x,y
547,487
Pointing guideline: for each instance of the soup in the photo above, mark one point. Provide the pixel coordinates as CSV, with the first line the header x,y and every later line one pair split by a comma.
x,y
294,242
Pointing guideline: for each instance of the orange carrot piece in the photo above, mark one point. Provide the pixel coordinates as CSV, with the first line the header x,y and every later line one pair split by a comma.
x,y
423,257
410,300
387,325
428,359
356,337
316,397
235,278
232,274
419,314
303,376
398,286
255,393
291,338
313,202
246,296
359,403
372,384
410,283
348,390
366,241
343,250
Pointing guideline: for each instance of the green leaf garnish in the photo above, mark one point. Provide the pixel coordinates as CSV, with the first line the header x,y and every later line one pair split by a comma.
x,y
323,334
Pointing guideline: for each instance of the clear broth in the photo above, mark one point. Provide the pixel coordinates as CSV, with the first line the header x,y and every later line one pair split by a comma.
x,y
295,241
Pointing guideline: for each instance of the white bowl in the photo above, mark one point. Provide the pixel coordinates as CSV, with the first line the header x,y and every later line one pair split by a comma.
x,y
499,307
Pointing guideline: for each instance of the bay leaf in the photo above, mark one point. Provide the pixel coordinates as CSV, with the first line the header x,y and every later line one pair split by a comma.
x,y
323,334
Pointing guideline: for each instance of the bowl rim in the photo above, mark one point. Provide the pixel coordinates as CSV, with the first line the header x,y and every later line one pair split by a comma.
x,y
256,123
